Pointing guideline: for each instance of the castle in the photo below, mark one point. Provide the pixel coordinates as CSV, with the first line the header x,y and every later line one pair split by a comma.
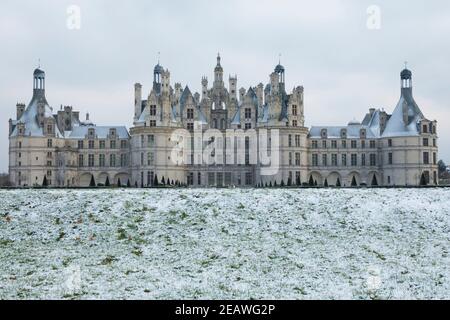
x,y
222,137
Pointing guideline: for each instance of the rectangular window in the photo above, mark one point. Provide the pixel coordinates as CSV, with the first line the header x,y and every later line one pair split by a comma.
x,y
248,178
344,143
49,143
91,160
101,160
152,123
390,143
297,158
434,158
434,142
290,158
190,126
150,178
294,123
199,178
426,158
297,141
190,179
80,160
49,173
248,126
373,159
112,144
112,160
354,160
80,144
372,144
123,160
248,114
151,141
425,142
315,160
290,140
123,144
152,110
334,144
353,144
363,160
334,161
324,160
190,116
363,144
91,144
425,128
150,158
102,144
344,160
314,144
324,144
294,110
390,158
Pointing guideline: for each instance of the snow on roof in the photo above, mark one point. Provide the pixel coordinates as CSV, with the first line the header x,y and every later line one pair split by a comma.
x,y
101,132
353,131
396,127
29,118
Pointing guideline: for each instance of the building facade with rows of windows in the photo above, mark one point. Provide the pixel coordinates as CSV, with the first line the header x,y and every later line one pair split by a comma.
x,y
215,139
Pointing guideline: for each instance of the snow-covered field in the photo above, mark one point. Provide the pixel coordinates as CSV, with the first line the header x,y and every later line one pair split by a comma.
x,y
227,244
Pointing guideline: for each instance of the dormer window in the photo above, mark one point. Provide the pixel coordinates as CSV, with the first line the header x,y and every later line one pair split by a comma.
x,y
152,110
343,133
91,133
424,128
324,133
49,128
362,133
294,110
112,133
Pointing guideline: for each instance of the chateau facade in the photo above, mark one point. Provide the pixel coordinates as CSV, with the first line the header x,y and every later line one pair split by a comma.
x,y
221,137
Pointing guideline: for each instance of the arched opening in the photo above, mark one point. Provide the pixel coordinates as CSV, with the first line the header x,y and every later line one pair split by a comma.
x,y
315,179
85,179
354,179
334,179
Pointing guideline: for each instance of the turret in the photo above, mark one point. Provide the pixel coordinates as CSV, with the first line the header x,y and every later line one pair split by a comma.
x,y
165,82
20,107
274,83
242,94
137,101
38,83
157,78
204,88
233,88
260,94
218,74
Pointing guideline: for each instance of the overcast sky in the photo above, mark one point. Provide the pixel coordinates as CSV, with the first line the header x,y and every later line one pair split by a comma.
x,y
326,46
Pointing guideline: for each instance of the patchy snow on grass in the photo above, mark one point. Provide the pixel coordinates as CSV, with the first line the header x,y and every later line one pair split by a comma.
x,y
225,244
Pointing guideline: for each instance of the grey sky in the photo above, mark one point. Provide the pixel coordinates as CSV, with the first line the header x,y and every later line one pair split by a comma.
x,y
325,45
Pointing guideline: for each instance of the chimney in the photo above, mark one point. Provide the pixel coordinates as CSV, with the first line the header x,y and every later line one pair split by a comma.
x,y
20,107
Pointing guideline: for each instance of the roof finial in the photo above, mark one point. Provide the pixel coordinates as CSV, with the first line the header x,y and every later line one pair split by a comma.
x,y
279,58
159,56
406,64
39,63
